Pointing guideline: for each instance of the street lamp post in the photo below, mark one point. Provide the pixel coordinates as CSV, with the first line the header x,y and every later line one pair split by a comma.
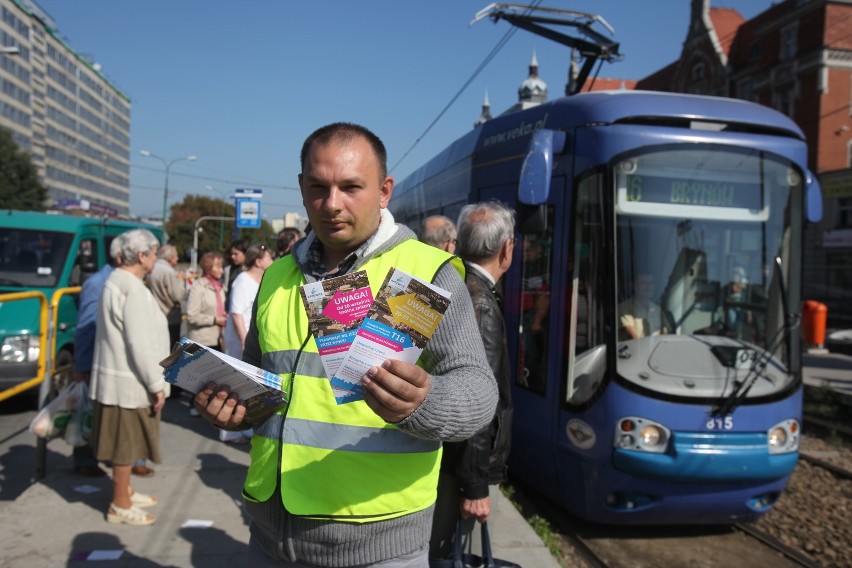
x,y
168,165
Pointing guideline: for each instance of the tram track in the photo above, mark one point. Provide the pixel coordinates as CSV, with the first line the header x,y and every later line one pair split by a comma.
x,y
775,544
599,546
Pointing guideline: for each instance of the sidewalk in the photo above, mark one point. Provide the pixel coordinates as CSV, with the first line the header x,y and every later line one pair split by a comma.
x,y
832,370
53,523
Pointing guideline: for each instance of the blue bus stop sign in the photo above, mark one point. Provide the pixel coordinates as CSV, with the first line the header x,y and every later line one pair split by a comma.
x,y
248,213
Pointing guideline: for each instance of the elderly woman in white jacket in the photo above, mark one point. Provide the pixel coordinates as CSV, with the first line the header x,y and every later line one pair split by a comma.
x,y
127,382
205,303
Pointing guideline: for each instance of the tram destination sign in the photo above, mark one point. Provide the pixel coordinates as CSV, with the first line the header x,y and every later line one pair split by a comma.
x,y
695,192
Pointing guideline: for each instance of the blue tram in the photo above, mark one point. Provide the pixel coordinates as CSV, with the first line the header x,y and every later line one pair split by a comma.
x,y
651,302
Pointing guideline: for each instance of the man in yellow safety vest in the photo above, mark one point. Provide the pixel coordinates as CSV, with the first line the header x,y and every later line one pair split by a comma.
x,y
353,484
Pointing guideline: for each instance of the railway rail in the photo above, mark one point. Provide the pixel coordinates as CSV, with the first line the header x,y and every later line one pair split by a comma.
x,y
596,546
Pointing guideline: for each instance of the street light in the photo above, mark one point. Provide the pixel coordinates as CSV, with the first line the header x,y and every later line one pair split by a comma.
x,y
221,215
168,165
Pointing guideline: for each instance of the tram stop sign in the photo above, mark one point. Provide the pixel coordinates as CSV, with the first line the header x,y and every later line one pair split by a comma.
x,y
247,203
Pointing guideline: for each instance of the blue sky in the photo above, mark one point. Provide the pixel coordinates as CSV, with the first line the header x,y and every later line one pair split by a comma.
x,y
241,84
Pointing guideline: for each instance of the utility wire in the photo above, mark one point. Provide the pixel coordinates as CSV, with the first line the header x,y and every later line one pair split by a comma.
x,y
491,55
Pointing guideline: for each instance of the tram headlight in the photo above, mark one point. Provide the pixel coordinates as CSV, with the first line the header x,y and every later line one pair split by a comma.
x,y
783,438
641,434
650,436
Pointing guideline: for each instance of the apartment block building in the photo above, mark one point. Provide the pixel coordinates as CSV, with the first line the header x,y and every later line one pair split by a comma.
x,y
61,108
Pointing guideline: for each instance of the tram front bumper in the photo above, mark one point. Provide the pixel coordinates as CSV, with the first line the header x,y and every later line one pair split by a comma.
x,y
698,458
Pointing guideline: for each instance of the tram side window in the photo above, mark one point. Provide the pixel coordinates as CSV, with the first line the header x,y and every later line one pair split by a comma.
x,y
585,352
536,267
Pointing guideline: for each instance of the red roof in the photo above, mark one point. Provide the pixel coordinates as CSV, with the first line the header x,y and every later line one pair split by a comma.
x,y
603,84
726,22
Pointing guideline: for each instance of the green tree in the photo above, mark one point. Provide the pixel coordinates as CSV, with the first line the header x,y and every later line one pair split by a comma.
x,y
183,216
19,185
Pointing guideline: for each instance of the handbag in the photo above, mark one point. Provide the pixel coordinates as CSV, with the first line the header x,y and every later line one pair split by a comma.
x,y
462,559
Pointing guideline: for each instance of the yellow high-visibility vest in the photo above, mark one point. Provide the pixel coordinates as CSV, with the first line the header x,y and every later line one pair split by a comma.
x,y
335,461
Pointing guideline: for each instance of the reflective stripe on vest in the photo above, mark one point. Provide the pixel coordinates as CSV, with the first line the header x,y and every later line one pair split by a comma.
x,y
342,437
340,461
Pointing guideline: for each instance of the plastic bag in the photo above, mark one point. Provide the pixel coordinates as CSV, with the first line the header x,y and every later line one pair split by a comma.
x,y
79,428
52,420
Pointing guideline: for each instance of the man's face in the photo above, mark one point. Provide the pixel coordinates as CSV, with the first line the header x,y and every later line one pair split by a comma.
x,y
644,287
343,194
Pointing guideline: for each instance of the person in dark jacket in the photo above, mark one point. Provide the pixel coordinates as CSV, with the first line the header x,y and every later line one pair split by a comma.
x,y
472,470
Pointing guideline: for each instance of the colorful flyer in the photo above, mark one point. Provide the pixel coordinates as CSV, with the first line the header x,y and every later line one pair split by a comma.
x,y
335,309
399,324
191,366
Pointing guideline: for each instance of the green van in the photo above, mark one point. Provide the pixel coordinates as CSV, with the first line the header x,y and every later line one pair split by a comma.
x,y
45,252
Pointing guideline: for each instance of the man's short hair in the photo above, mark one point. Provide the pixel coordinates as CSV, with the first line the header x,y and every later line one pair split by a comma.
x,y
437,231
167,252
344,132
483,229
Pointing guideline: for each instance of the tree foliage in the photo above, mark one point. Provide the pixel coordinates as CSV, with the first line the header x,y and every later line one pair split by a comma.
x,y
20,187
183,216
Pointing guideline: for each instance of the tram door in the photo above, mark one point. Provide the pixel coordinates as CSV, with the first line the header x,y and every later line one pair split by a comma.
x,y
532,331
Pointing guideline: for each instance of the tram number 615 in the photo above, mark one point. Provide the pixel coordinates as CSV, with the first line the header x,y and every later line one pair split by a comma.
x,y
720,423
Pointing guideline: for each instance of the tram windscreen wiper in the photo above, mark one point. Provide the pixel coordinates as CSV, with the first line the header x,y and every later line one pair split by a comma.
x,y
727,354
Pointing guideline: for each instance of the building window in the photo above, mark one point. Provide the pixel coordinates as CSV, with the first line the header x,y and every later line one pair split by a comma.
x,y
784,101
698,72
844,212
753,51
789,42
745,90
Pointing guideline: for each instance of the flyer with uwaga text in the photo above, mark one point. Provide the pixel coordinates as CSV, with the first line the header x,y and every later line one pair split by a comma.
x,y
335,308
401,321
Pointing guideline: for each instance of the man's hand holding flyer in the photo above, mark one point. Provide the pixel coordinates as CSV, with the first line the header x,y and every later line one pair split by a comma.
x,y
399,324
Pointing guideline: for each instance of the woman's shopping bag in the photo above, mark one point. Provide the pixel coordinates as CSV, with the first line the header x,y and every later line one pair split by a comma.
x,y
462,559
52,420
79,429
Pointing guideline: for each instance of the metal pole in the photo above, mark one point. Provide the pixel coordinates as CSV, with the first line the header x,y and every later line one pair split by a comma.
x,y
166,193
195,236
222,226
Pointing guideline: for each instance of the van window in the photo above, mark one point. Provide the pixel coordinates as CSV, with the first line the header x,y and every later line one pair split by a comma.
x,y
32,258
86,262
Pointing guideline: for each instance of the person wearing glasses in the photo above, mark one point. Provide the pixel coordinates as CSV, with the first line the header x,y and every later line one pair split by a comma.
x,y
352,484
472,470
439,232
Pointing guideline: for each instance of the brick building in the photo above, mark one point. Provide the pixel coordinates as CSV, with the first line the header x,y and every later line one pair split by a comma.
x,y
796,57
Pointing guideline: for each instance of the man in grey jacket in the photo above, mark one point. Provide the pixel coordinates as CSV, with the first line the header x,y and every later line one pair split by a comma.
x,y
471,470
345,190
169,289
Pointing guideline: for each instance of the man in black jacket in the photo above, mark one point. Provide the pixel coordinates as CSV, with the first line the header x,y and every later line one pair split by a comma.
x,y
472,469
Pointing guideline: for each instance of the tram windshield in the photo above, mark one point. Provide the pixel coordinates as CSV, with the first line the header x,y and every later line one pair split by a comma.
x,y
698,290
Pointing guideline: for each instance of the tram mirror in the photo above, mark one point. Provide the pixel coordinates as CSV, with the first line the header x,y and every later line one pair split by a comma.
x,y
537,169
813,198
532,219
